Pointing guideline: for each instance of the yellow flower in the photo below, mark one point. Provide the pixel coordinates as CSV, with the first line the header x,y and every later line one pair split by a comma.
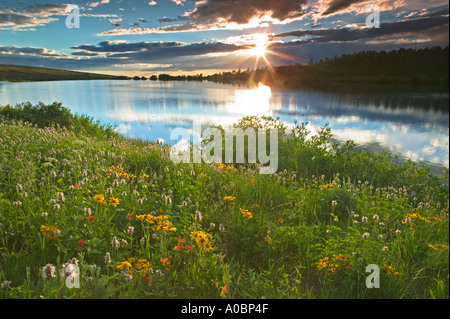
x,y
100,199
229,198
340,257
390,270
115,201
49,232
125,265
323,263
202,239
246,213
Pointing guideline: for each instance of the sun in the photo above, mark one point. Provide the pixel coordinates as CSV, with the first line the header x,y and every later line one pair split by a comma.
x,y
260,42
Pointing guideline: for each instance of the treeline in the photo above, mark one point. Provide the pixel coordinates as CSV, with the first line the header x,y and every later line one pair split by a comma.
x,y
417,69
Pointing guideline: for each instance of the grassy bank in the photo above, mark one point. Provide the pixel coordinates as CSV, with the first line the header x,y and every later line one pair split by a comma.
x,y
17,73
139,226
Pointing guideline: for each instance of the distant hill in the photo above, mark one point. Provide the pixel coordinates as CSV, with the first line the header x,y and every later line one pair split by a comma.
x,y
16,73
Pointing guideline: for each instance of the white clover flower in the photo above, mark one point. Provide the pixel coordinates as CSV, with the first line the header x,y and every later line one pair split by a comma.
x,y
365,235
107,258
115,243
130,230
6,284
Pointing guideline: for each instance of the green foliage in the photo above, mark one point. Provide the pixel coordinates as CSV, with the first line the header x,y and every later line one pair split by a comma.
x,y
315,225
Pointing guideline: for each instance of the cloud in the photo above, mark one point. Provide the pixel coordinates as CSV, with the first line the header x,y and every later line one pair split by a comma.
x,y
97,3
243,11
435,20
31,16
33,51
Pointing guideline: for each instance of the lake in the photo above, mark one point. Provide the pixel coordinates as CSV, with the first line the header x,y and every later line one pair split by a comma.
x,y
412,125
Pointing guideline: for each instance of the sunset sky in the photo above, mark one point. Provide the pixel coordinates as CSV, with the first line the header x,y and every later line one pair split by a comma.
x,y
134,37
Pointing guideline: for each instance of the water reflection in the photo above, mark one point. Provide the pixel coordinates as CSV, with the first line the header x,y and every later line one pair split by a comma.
x,y
415,126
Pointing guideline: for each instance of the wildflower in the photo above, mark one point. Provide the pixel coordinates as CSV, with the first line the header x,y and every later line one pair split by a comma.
x,y
165,261
56,207
6,284
87,211
398,232
198,216
380,237
90,219
339,257
129,216
45,215
281,220
19,203
390,270
365,235
81,243
109,191
100,199
19,188
224,290
376,217
115,202
202,239
48,271
364,219
140,201
323,263
334,203
168,201
385,248
229,199
212,226
60,197
130,230
49,232
246,213
115,243
221,227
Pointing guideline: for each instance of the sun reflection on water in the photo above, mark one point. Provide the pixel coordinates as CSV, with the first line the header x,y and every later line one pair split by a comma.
x,y
252,102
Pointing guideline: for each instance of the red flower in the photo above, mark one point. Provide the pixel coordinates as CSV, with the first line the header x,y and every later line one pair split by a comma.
x,y
81,243
180,241
256,205
281,220
76,185
107,174
91,219
188,247
147,279
349,267
129,216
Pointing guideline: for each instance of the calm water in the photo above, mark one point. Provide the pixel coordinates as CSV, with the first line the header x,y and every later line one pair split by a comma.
x,y
414,126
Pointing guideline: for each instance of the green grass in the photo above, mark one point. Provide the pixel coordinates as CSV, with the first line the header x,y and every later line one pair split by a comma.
x,y
18,73
276,254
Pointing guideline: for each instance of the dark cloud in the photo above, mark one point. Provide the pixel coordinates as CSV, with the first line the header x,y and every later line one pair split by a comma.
x,y
334,6
414,26
14,50
155,51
